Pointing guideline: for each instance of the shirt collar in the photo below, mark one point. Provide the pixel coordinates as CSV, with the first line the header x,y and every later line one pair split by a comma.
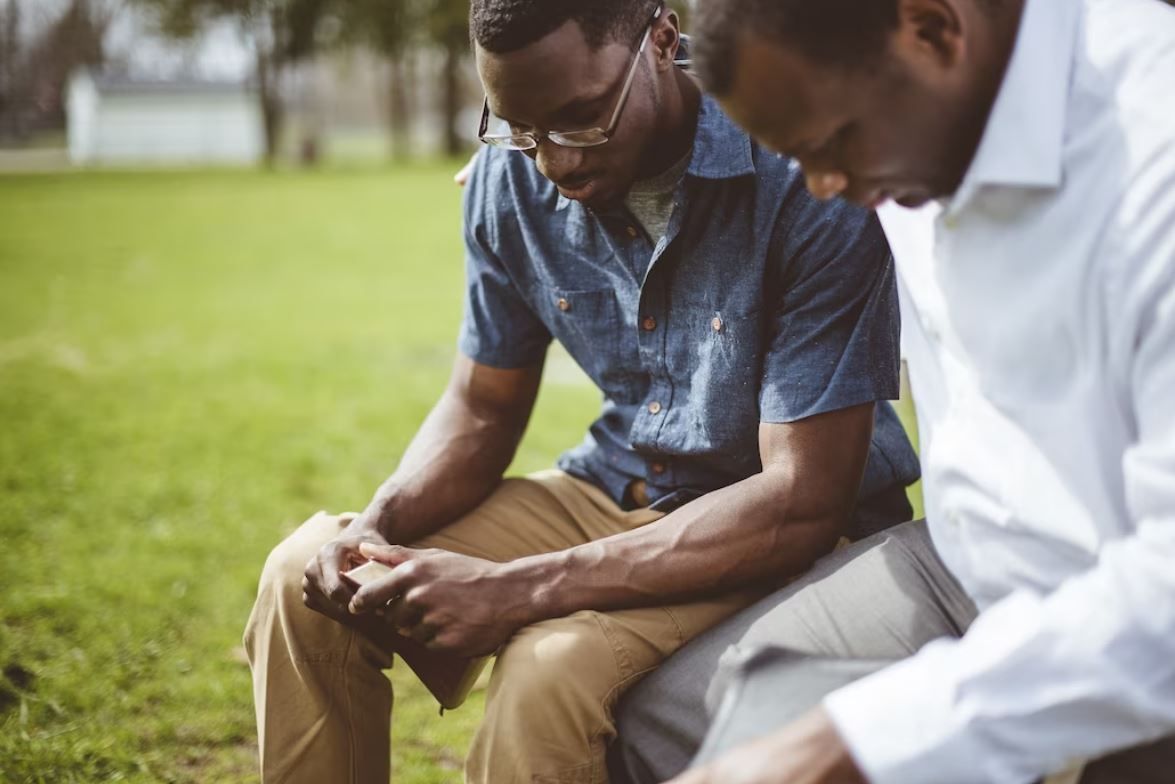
x,y
1023,143
721,149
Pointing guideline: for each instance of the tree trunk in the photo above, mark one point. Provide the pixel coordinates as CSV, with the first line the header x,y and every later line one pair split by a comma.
x,y
399,106
272,114
8,59
451,78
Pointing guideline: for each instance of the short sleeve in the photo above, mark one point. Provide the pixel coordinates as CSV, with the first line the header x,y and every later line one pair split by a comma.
x,y
834,330
499,327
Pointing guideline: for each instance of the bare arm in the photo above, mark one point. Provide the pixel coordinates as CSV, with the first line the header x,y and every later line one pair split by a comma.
x,y
454,462
769,526
459,454
772,525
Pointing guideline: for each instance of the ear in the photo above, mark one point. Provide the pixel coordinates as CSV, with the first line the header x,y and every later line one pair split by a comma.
x,y
666,39
931,32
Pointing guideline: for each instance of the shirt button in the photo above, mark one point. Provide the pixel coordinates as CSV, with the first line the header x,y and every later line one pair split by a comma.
x,y
658,468
654,407
717,324
563,304
649,324
632,232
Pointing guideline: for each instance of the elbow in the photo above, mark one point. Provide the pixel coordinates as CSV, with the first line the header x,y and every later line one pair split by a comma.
x,y
806,526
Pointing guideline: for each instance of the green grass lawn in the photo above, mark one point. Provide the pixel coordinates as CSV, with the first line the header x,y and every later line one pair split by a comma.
x,y
190,365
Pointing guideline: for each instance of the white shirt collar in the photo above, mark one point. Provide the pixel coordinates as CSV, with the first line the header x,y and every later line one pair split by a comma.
x,y
1022,145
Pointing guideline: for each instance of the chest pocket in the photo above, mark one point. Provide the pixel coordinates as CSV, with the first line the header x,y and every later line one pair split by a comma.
x,y
590,325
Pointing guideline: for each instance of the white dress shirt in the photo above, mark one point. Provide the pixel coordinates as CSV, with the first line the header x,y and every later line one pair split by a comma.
x,y
1039,324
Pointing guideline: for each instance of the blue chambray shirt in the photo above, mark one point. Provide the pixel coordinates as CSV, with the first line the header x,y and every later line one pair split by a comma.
x,y
761,304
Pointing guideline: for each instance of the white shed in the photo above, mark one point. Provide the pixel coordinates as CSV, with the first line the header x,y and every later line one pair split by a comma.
x,y
167,123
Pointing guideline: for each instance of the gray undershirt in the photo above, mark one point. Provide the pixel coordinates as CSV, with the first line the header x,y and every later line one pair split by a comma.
x,y
651,201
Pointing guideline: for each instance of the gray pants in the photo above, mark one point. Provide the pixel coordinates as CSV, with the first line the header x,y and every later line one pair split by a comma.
x,y
880,599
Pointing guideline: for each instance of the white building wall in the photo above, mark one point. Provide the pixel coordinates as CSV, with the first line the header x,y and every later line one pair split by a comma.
x,y
81,108
162,128
181,129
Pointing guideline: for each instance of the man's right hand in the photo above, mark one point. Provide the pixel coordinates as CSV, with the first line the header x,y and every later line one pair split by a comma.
x,y
323,587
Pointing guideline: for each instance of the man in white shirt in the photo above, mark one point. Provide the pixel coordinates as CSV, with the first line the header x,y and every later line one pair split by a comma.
x,y
1022,155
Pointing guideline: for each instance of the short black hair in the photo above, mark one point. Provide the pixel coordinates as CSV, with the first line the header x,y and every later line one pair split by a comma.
x,y
501,26
829,32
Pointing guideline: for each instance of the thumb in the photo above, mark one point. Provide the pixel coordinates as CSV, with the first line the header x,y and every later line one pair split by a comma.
x,y
389,554
462,177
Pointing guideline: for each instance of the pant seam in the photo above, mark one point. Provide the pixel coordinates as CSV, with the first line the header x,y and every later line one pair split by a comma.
x,y
676,625
353,777
623,660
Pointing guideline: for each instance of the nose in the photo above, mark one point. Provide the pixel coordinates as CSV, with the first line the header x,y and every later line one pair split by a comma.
x,y
824,183
555,162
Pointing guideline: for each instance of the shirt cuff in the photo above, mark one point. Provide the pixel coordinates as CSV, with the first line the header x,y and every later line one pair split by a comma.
x,y
902,727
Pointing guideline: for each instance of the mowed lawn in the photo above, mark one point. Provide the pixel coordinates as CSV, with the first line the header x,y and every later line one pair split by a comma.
x,y
190,365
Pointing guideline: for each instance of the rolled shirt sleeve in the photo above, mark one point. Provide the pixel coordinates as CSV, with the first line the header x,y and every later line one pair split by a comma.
x,y
834,335
499,328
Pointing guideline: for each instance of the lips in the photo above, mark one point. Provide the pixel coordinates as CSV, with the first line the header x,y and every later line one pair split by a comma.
x,y
578,189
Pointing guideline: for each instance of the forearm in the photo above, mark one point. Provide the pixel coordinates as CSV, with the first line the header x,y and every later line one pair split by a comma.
x,y
754,531
459,454
453,463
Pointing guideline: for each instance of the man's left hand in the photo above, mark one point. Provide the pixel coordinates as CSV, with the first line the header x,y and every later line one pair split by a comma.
x,y
808,751
448,602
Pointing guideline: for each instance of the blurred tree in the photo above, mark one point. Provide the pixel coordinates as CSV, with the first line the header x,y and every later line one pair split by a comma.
x,y
388,27
283,32
39,76
448,27
9,52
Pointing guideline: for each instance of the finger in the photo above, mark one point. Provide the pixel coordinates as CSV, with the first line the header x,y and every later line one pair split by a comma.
x,y
462,177
334,559
379,593
424,633
312,581
387,554
321,605
404,616
334,586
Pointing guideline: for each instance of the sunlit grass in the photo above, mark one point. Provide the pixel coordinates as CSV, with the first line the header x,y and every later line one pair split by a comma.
x,y
191,364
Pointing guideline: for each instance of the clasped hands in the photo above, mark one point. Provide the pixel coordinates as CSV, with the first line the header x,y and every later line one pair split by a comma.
x,y
445,601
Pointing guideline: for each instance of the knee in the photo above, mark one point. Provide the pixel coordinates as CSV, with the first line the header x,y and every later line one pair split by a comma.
x,y
560,669
286,564
281,576
283,571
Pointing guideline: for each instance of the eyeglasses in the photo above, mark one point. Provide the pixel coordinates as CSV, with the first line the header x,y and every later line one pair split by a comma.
x,y
592,137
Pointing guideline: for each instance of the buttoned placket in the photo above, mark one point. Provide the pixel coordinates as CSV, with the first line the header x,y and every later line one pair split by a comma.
x,y
632,247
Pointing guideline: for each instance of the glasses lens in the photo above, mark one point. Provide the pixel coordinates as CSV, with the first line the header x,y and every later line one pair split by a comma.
x,y
499,133
510,142
593,138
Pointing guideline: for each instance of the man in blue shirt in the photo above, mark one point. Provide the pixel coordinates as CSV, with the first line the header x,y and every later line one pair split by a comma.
x,y
744,337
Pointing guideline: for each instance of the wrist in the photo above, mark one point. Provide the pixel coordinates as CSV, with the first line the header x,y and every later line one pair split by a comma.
x,y
378,518
538,578
367,524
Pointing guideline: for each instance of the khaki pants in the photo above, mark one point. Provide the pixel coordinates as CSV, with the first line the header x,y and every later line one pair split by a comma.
x,y
324,704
